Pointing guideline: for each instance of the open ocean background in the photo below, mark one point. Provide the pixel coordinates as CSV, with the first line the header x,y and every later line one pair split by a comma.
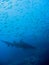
x,y
26,20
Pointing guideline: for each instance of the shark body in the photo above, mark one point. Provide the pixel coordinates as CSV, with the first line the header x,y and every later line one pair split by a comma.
x,y
21,44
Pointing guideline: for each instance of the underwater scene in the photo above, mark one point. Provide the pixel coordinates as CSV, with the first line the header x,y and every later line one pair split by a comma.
x,y
24,32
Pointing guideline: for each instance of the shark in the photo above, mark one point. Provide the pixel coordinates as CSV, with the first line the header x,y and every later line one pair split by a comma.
x,y
20,44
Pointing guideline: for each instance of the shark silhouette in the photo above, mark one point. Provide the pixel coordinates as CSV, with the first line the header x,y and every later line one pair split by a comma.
x,y
21,44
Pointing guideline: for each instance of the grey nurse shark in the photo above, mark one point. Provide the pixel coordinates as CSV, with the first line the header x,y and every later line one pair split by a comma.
x,y
21,44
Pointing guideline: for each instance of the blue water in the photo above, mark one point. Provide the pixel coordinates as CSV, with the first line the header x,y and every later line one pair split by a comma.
x,y
26,20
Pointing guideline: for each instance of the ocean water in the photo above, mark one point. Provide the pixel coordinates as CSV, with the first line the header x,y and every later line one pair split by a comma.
x,y
27,21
